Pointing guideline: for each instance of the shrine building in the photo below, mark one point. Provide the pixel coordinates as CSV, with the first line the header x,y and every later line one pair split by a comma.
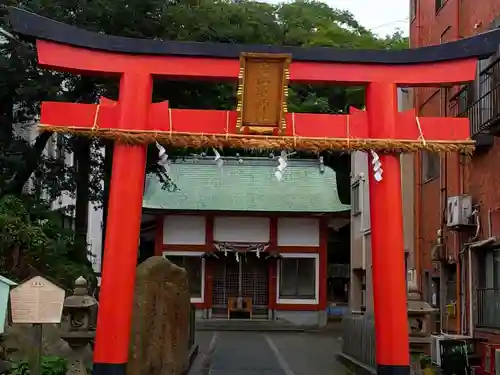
x,y
248,240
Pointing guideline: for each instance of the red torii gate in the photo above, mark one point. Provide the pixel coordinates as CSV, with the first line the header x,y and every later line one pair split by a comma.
x,y
134,121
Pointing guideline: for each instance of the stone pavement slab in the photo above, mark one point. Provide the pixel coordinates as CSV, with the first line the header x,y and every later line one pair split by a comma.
x,y
310,353
267,353
248,353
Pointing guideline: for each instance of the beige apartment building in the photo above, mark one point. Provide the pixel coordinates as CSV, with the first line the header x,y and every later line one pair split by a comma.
x,y
361,291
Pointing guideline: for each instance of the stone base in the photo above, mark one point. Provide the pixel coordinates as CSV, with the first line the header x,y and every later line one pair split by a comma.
x,y
354,366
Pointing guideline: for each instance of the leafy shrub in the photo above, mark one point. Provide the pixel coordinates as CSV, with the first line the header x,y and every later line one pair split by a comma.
x,y
50,366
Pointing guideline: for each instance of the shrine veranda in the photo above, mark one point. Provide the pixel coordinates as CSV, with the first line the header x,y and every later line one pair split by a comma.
x,y
260,121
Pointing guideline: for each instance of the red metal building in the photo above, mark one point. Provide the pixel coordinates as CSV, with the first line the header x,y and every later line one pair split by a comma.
x,y
457,199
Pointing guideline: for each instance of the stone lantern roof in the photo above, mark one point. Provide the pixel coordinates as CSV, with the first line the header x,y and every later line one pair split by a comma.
x,y
80,297
415,303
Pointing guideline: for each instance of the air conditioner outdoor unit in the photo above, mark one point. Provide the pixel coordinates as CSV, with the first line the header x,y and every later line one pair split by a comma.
x,y
366,248
458,210
435,349
436,345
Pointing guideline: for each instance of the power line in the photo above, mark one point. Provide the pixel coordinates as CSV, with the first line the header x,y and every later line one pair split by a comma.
x,y
390,23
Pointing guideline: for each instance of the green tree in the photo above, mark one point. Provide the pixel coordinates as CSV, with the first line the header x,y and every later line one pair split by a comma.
x,y
32,241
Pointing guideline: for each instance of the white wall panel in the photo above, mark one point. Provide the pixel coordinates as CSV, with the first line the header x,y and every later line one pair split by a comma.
x,y
298,232
241,229
184,230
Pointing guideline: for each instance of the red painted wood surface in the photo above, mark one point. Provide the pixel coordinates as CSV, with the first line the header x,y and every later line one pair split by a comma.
x,y
123,227
387,240
161,118
82,61
272,264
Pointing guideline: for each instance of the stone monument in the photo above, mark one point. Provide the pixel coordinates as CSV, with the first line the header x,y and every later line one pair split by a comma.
x,y
160,322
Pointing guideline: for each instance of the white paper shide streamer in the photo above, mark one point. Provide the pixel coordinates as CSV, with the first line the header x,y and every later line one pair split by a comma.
x,y
376,166
218,159
282,164
163,157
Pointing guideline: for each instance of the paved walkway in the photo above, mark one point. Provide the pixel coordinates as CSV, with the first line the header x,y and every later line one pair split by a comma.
x,y
267,353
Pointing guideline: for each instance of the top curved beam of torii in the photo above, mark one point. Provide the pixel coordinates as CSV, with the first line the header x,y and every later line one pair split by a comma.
x,y
26,23
68,48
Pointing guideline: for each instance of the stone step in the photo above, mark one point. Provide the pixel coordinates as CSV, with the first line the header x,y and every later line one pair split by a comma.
x,y
247,325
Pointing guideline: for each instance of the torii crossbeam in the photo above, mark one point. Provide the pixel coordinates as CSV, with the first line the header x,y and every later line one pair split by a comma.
x,y
214,128
134,121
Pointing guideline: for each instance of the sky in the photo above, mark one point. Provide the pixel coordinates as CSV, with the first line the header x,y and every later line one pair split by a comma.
x,y
383,17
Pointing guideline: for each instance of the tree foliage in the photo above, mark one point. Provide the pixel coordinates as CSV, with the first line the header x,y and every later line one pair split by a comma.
x,y
40,240
32,241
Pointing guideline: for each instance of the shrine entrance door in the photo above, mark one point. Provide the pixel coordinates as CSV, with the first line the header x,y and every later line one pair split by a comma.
x,y
249,271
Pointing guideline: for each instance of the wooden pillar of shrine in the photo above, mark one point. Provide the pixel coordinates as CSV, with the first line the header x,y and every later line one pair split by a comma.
x,y
386,214
122,231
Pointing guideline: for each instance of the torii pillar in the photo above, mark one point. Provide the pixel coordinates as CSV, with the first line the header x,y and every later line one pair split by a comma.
x,y
387,238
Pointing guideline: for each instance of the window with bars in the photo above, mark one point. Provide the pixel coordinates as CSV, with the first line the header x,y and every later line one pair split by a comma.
x,y
355,198
430,165
297,278
193,267
451,286
439,4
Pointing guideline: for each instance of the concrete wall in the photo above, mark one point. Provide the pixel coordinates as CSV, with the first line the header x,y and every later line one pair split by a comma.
x,y
303,318
360,221
361,275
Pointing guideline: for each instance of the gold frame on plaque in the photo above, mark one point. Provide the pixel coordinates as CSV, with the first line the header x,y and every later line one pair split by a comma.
x,y
247,99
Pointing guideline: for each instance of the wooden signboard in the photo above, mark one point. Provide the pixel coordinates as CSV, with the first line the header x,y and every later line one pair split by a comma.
x,y
37,301
262,93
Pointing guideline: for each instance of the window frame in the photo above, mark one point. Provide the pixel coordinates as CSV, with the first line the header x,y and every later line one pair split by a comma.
x,y
439,4
426,156
356,192
496,269
197,254
294,301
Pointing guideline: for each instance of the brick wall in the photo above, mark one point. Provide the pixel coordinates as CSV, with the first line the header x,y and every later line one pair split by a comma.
x,y
478,175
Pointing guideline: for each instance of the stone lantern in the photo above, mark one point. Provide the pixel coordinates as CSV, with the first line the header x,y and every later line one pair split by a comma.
x,y
78,326
419,314
420,320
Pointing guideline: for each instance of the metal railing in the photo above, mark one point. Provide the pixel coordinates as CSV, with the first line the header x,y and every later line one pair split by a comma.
x,y
480,101
488,308
358,338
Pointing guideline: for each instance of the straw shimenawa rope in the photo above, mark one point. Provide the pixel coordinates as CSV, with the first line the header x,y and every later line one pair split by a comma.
x,y
224,140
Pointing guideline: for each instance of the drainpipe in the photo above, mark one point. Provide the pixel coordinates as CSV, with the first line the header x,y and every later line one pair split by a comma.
x,y
418,175
417,194
460,186
459,261
471,319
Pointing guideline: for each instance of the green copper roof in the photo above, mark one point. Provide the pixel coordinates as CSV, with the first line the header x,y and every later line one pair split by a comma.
x,y
247,186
